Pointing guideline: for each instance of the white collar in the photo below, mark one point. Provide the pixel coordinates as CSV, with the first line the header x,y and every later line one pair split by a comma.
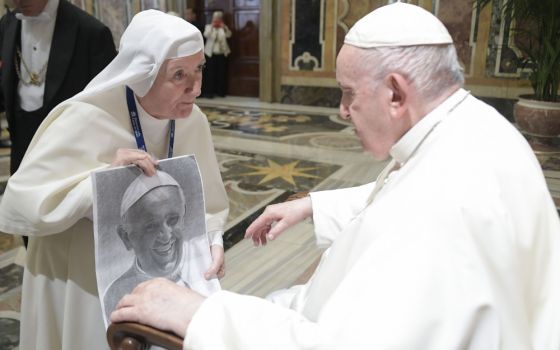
x,y
409,142
48,13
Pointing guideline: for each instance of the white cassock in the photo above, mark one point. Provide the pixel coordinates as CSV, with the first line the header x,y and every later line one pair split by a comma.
x,y
459,250
50,199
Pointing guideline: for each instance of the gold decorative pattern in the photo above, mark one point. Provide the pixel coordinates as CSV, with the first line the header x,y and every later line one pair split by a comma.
x,y
286,172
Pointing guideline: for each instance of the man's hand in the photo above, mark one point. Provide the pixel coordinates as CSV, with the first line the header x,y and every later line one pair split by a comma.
x,y
277,218
143,160
218,263
161,304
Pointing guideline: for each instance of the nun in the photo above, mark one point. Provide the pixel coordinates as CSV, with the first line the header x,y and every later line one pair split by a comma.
x,y
140,108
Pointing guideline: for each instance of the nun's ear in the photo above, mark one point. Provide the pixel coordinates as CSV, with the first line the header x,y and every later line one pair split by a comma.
x,y
123,234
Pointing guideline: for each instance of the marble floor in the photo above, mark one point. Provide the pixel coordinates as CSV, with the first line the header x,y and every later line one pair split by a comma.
x,y
266,153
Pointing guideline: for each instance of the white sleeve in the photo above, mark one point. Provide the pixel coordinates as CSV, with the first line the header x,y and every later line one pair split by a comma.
x,y
52,189
215,238
234,316
334,209
396,296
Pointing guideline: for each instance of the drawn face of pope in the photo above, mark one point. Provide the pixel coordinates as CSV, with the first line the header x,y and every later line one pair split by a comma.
x,y
152,227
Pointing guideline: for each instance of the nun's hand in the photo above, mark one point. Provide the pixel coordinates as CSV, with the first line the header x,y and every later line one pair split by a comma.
x,y
141,159
218,263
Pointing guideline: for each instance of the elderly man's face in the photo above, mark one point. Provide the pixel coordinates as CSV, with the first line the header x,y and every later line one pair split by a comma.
x,y
176,87
30,7
154,230
364,102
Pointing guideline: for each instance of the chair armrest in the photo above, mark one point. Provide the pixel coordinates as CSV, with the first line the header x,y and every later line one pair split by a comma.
x,y
136,336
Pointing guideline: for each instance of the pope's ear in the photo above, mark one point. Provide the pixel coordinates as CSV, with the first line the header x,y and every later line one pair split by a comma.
x,y
399,89
124,237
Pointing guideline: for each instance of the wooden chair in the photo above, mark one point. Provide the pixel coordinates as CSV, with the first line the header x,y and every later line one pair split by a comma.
x,y
136,336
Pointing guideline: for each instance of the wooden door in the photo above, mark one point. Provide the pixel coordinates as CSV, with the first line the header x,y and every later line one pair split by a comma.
x,y
242,17
244,61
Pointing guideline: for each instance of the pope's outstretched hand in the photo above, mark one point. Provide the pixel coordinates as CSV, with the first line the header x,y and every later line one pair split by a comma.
x,y
277,218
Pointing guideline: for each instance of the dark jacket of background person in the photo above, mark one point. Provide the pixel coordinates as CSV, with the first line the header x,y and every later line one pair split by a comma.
x,y
81,47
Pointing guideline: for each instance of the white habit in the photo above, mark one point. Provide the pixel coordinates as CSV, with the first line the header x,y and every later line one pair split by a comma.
x,y
50,197
459,250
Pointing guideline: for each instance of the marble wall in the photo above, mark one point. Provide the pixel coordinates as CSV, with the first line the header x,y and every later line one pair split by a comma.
x,y
323,96
485,45
312,31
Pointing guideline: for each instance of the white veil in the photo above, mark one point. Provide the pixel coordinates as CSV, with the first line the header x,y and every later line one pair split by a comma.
x,y
151,37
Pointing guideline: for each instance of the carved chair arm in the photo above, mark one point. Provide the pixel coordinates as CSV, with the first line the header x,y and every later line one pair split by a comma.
x,y
136,336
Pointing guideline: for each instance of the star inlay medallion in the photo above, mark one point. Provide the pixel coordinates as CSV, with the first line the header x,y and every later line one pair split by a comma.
x,y
286,172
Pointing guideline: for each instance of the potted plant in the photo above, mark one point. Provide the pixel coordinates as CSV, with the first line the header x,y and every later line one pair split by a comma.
x,y
537,25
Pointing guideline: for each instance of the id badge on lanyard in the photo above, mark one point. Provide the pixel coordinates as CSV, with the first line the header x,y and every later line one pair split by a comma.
x,y
137,128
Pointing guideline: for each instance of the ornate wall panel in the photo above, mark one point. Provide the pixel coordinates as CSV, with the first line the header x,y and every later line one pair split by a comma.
x,y
307,35
484,41
455,15
308,38
504,58
349,12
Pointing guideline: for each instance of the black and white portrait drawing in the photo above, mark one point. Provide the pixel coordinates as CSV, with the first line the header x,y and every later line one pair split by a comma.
x,y
150,226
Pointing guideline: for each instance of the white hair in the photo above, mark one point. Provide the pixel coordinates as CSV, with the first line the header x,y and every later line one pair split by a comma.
x,y
430,68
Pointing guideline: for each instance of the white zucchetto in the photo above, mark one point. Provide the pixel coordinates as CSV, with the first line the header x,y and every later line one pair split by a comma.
x,y
398,24
144,184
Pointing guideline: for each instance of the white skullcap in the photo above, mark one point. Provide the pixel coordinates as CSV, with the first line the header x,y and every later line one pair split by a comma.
x,y
144,184
151,38
398,24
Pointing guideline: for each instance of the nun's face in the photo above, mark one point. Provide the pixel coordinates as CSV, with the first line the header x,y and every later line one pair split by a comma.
x,y
176,87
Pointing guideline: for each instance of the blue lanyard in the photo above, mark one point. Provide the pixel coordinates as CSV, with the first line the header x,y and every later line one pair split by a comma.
x,y
137,128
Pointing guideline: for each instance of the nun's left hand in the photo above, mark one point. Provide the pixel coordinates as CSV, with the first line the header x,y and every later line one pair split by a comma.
x,y
218,263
